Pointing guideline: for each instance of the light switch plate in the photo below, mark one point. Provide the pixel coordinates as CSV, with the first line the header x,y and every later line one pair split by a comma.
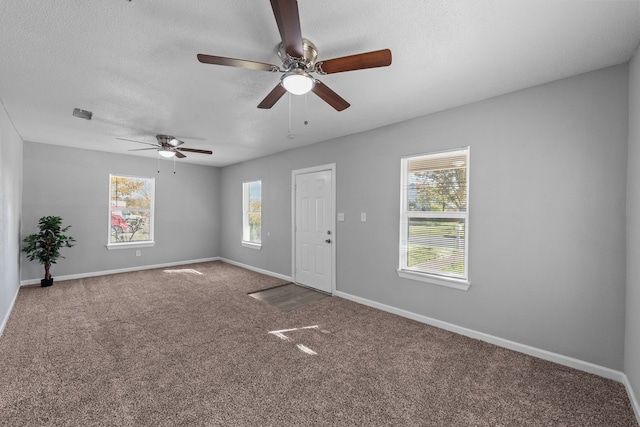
x,y
363,216
340,216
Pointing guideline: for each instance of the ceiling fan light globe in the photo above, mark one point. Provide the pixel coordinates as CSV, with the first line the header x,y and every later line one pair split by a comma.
x,y
297,83
166,153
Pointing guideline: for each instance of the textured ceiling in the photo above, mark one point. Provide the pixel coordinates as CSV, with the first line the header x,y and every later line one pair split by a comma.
x,y
133,64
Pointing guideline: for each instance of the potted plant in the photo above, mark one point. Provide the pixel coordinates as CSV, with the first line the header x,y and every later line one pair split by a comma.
x,y
45,245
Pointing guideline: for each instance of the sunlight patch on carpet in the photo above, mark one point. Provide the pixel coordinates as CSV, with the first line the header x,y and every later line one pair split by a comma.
x,y
303,348
280,334
306,349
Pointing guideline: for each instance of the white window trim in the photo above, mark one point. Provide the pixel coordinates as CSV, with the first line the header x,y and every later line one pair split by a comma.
x,y
245,217
448,282
404,272
130,245
138,244
252,245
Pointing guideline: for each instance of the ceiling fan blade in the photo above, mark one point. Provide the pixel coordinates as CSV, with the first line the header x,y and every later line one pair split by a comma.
x,y
288,20
377,58
273,97
194,150
143,149
239,63
179,155
139,142
329,96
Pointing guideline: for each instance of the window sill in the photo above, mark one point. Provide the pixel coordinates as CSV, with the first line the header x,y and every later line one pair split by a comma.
x,y
252,245
459,284
130,245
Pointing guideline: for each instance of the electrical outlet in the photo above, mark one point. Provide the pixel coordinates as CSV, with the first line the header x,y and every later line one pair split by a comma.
x,y
138,252
363,216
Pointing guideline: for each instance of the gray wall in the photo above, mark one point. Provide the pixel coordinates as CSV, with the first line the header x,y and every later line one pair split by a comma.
x,y
10,213
547,219
74,184
632,341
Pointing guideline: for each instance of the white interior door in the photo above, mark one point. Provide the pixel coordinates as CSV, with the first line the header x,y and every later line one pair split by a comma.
x,y
313,230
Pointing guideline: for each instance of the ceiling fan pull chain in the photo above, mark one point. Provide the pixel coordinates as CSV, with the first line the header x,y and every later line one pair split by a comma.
x,y
158,156
289,131
174,165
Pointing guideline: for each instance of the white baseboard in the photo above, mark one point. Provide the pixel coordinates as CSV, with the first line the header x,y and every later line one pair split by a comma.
x,y
632,398
257,270
6,317
120,270
501,342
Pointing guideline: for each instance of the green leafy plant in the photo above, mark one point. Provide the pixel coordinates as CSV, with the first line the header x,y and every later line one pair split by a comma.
x,y
45,245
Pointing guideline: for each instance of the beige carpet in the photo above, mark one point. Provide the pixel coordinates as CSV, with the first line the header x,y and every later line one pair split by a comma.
x,y
191,348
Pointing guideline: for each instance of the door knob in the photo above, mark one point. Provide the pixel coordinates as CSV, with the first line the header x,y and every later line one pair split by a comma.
x,y
328,240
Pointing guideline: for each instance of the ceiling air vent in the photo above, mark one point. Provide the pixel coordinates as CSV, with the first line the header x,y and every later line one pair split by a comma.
x,y
83,114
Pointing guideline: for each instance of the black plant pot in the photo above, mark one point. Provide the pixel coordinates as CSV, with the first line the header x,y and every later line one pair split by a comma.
x,y
46,282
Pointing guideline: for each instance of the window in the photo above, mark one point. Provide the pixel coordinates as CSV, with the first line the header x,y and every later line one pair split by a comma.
x,y
434,224
130,211
252,214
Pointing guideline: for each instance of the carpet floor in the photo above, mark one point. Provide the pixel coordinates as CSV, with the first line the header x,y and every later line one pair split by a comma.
x,y
189,347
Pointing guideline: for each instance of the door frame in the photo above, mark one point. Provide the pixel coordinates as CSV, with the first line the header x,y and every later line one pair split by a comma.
x,y
328,167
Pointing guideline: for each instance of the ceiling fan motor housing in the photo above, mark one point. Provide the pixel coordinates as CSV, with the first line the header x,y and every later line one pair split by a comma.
x,y
306,63
168,140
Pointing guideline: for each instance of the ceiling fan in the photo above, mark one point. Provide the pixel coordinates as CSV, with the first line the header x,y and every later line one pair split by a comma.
x,y
298,57
167,146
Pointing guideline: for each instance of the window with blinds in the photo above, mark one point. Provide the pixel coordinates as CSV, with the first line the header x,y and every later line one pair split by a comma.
x,y
434,217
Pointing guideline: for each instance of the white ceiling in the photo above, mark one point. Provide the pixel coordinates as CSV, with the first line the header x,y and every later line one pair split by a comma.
x,y
133,64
